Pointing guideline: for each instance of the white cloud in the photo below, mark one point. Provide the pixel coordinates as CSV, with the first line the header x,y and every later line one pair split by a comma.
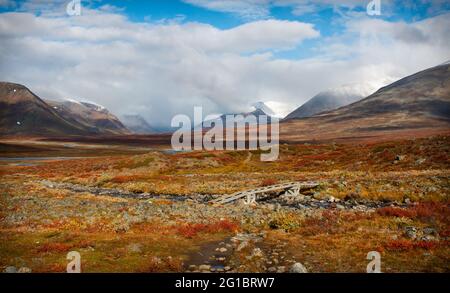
x,y
158,70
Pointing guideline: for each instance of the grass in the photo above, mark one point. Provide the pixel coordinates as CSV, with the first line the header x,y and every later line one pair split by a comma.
x,y
40,225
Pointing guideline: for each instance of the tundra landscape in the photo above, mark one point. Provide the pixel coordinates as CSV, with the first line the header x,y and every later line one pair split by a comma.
x,y
358,171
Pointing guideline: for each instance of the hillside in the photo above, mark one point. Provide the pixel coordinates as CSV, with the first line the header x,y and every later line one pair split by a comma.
x,y
416,104
24,113
94,118
330,100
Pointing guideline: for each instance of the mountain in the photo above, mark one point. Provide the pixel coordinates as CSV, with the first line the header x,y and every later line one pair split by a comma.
x,y
331,99
22,112
137,124
416,104
260,110
94,118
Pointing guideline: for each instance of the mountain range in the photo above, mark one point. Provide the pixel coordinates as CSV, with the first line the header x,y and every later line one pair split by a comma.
x,y
419,103
137,124
93,118
24,113
331,99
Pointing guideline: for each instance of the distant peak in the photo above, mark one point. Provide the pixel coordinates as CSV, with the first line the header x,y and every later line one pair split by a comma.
x,y
261,106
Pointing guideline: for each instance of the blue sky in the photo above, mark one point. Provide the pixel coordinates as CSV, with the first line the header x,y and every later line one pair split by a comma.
x,y
159,58
327,18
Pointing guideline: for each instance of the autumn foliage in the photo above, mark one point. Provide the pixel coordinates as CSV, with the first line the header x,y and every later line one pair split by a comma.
x,y
191,230
424,211
404,245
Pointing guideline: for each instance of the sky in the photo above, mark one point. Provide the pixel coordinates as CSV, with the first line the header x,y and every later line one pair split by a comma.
x,y
160,58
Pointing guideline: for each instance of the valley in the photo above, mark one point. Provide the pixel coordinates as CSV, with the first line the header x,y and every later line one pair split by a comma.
x,y
136,210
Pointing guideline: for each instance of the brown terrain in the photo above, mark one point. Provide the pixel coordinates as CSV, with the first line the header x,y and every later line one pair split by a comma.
x,y
129,204
417,105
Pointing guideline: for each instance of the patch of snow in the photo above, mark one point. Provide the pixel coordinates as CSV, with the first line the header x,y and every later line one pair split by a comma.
x,y
99,107
263,107
73,101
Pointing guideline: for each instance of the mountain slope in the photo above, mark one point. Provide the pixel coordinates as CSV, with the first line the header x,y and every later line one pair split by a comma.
x,y
94,118
137,124
418,103
22,112
330,100
260,110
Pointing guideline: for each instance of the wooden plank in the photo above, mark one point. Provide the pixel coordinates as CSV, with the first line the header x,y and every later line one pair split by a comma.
x,y
294,188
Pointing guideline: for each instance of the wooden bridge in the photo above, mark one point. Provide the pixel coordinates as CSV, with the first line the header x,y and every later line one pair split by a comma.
x,y
258,194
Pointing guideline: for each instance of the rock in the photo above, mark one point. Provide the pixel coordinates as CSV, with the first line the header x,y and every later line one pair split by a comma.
x,y
192,267
221,249
428,238
411,232
420,161
432,189
257,252
272,270
340,207
430,231
298,268
332,199
24,270
227,268
204,267
318,196
281,269
10,270
399,158
242,245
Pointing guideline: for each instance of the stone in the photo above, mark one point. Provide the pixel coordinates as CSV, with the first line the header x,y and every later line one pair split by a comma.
x,y
298,268
242,245
411,232
221,249
281,269
24,270
428,238
272,270
399,158
204,267
420,161
429,231
10,270
340,207
257,252
332,199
